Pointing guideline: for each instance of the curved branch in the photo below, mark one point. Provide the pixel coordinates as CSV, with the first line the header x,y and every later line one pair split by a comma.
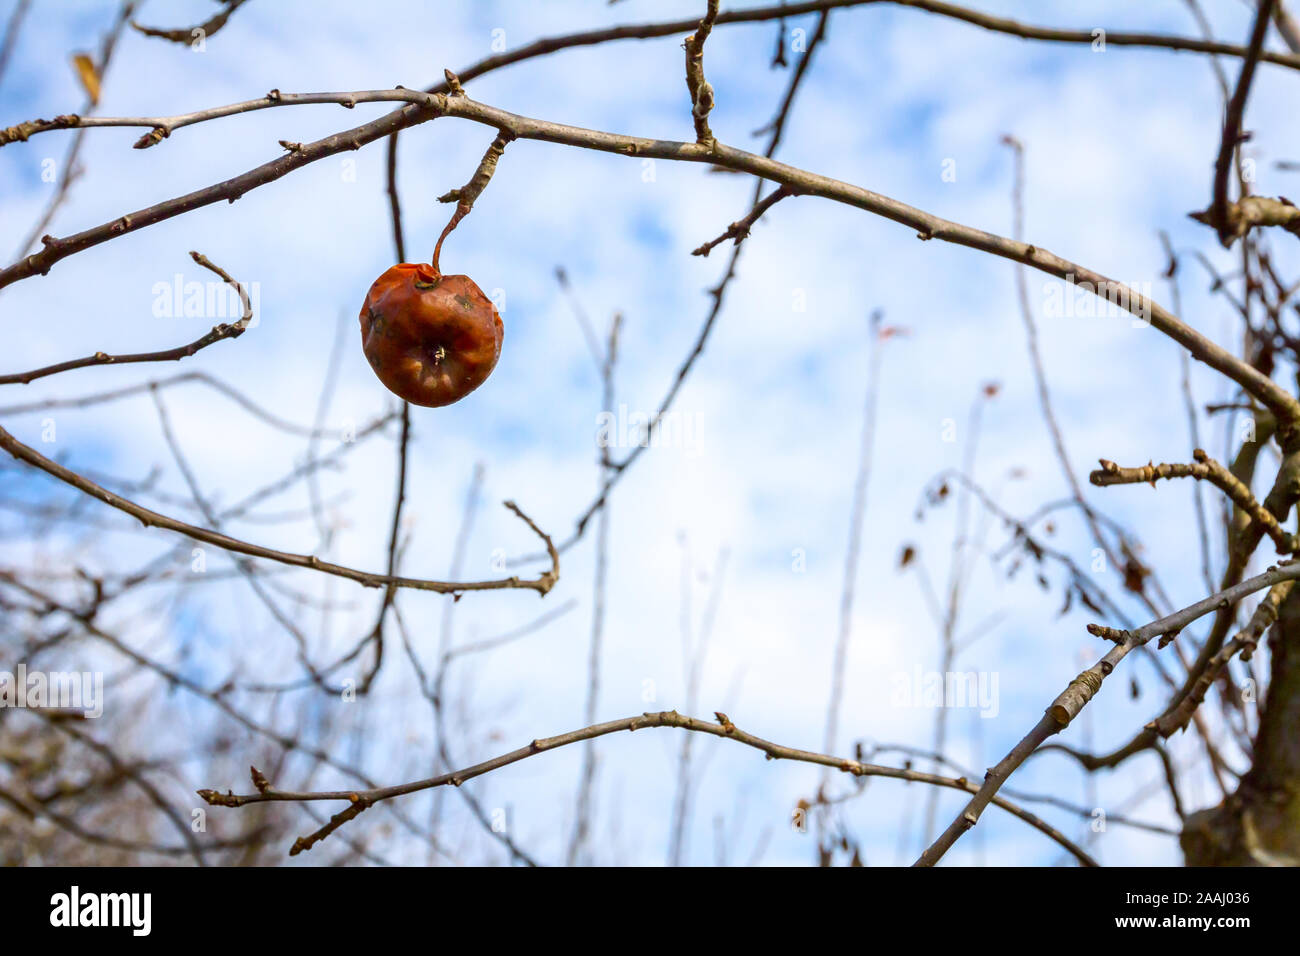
x,y
650,31
162,127
186,35
1112,38
542,584
229,190
467,195
218,333
928,226
360,800
202,378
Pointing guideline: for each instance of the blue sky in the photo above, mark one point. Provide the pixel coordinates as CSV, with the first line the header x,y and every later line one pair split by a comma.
x,y
1120,144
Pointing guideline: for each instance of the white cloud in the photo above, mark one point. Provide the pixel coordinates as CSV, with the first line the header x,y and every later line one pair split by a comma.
x,y
1119,146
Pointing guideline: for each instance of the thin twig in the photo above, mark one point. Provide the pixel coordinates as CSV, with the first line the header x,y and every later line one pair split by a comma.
x,y
394,201
587,775
376,635
541,584
465,197
218,333
205,29
435,690
1189,403
739,230
724,729
857,515
12,27
70,170
1232,135
1210,470
200,378
776,129
1040,379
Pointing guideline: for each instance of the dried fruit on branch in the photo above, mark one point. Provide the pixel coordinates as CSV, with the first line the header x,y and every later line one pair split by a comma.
x,y
431,339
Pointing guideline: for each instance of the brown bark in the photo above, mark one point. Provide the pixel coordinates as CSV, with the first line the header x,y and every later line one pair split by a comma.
x,y
1259,824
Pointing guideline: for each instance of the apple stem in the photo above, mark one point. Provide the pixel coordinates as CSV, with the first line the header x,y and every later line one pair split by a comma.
x,y
457,216
465,196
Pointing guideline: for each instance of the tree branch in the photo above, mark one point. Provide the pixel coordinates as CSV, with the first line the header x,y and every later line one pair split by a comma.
x,y
739,230
360,800
465,197
1208,469
541,584
1082,689
701,90
928,226
186,35
1232,134
217,334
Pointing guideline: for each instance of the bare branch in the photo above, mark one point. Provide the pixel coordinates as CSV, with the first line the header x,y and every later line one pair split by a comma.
x,y
205,29
739,230
202,378
701,90
219,333
928,226
11,33
541,584
1240,217
1244,643
465,197
1082,689
359,800
1232,134
1210,470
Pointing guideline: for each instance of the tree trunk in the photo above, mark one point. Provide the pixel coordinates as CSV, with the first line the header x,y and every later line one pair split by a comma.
x,y
1259,825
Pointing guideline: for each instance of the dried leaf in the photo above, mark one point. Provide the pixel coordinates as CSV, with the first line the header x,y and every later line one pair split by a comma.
x,y
1088,602
88,75
1134,575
